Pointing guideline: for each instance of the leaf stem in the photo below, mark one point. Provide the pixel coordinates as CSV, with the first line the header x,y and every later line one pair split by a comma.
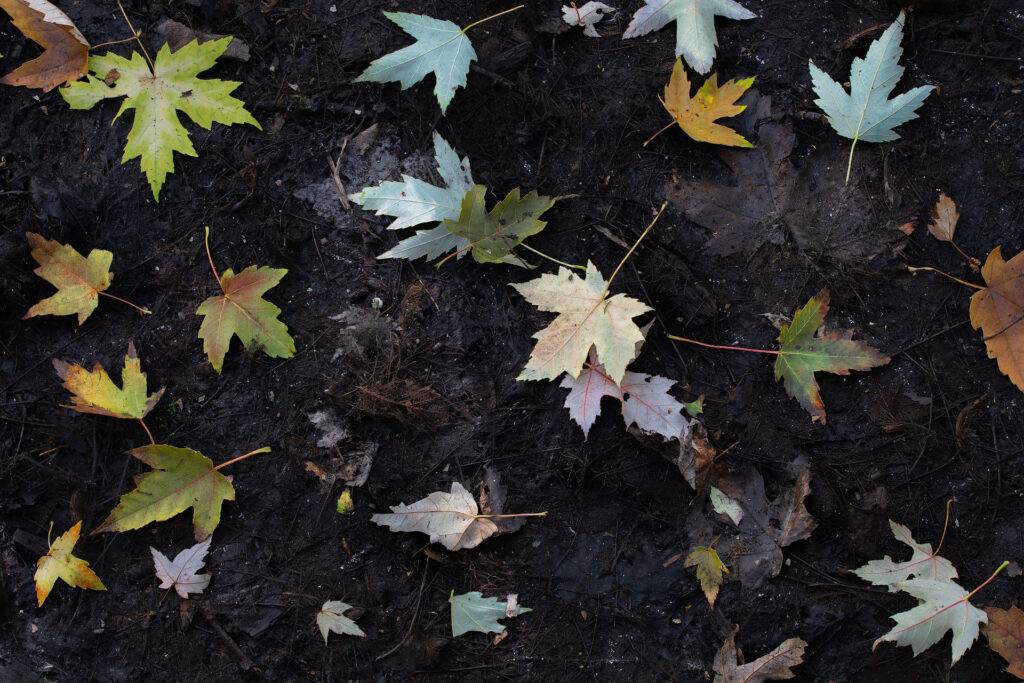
x,y
148,433
265,449
137,39
659,132
987,581
912,269
716,346
629,253
206,241
493,16
549,258
145,311
945,526
849,164
521,514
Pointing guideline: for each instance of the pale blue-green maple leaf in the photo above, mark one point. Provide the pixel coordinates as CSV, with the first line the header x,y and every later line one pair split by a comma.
x,y
473,612
695,26
441,48
415,201
157,95
867,113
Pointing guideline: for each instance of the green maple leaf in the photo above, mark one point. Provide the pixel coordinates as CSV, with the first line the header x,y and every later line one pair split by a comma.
x,y
473,612
181,479
243,312
441,48
867,113
802,354
695,26
492,235
157,95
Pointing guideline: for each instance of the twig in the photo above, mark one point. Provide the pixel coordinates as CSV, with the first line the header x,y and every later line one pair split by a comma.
x,y
229,642
342,196
412,622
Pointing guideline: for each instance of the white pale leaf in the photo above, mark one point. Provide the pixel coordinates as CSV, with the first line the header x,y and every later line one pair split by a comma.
x,y
867,113
585,394
473,612
448,518
724,505
923,564
695,26
429,244
943,607
441,48
180,573
331,617
586,16
415,201
650,407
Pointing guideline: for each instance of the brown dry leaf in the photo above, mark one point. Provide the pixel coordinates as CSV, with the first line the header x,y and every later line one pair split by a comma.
x,y
998,311
65,55
944,219
697,115
1005,633
774,666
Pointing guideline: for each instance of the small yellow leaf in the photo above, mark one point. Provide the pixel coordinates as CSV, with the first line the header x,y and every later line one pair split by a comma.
x,y
95,392
59,563
697,115
709,570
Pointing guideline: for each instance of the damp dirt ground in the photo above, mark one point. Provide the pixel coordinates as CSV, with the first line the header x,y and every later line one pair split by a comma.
x,y
417,365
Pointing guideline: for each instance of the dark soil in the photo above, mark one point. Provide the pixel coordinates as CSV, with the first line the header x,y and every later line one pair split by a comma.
x,y
430,382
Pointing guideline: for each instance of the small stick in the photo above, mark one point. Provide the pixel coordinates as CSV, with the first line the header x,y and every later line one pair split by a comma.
x,y
912,269
137,39
243,659
342,196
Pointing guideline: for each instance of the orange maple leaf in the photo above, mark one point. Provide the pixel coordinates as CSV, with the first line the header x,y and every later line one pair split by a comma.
x,y
998,311
697,115
59,563
65,55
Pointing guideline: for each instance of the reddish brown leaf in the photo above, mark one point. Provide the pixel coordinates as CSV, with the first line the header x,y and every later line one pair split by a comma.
x,y
998,311
944,219
1005,633
65,55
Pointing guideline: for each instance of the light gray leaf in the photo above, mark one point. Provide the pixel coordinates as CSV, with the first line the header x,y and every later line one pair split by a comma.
x,y
473,612
331,617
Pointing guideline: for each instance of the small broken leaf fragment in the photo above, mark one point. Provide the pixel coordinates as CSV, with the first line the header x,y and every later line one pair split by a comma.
x,y
802,353
450,519
243,312
65,50
697,115
94,391
180,479
586,318
586,16
709,570
473,612
998,311
944,219
59,563
774,666
78,279
331,617
923,564
1005,633
180,573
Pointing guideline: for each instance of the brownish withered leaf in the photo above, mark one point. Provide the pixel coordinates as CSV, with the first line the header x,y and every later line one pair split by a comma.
x,y
998,310
1005,633
65,55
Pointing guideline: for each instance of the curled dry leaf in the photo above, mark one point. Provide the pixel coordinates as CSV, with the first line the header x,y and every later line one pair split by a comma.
x,y
450,519
180,573
586,16
59,563
998,310
697,115
65,50
95,392
774,666
78,279
1005,633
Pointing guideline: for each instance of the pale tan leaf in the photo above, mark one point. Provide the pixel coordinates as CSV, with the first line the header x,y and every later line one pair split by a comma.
x,y
450,519
774,666
944,218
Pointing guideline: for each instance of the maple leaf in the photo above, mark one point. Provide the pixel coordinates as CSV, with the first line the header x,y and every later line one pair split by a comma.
x,y
1005,633
774,666
697,115
65,50
243,312
94,392
695,26
473,612
441,48
78,279
802,353
491,236
709,570
944,606
180,573
867,113
450,519
923,564
645,400
586,16
59,563
944,219
181,479
331,617
586,318
998,310
157,95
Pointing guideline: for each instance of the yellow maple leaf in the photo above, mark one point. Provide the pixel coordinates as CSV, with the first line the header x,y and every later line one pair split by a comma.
x,y
697,115
95,392
59,563
709,570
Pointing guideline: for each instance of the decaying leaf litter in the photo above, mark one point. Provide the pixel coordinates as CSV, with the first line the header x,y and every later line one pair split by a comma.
x,y
750,410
